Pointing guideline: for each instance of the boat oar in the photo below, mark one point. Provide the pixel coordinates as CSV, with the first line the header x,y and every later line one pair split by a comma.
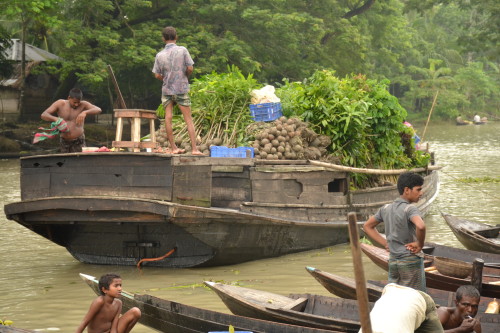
x,y
359,275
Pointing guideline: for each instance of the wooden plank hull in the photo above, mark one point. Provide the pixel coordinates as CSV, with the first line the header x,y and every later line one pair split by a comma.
x,y
473,235
491,275
172,317
120,208
121,231
310,310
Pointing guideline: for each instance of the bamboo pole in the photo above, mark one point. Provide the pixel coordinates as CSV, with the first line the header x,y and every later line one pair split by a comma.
x,y
430,112
359,275
372,171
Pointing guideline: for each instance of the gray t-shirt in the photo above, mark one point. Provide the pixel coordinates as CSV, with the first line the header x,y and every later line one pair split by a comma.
x,y
399,230
171,63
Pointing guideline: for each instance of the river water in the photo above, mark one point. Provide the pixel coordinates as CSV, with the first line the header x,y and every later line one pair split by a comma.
x,y
40,287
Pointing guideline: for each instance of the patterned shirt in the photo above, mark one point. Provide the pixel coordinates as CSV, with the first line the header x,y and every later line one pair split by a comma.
x,y
171,63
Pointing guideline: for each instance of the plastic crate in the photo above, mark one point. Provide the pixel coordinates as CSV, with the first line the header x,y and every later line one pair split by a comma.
x,y
265,111
222,151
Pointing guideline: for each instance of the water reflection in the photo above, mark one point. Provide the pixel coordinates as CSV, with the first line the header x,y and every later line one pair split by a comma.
x,y
40,287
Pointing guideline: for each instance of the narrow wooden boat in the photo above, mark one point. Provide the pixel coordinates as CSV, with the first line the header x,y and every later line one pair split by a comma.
x,y
491,275
474,235
346,288
122,208
172,317
299,309
11,329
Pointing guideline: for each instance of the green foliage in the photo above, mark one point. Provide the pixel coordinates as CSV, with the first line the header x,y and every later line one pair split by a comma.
x,y
221,102
475,180
361,117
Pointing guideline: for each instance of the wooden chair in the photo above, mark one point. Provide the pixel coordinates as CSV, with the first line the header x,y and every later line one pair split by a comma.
x,y
135,127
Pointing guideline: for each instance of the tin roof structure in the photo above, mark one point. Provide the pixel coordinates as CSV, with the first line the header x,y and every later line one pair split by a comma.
x,y
33,53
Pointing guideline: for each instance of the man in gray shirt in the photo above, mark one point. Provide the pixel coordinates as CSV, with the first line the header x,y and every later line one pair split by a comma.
x,y
405,233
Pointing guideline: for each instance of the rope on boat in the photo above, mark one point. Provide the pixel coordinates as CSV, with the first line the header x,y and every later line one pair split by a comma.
x,y
155,259
372,171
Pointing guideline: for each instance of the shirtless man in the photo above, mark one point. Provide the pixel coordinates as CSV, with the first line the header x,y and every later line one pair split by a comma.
x,y
104,313
460,319
73,111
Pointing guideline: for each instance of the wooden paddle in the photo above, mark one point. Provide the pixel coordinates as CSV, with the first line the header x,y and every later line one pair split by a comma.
x,y
359,275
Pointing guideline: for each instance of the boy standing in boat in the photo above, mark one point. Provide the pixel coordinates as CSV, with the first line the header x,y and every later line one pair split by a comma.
x,y
104,313
405,233
173,66
68,117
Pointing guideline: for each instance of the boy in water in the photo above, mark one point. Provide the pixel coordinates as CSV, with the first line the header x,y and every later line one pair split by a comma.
x,y
104,312
73,112
405,232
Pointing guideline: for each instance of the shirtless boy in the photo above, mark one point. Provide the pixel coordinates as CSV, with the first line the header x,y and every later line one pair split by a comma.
x,y
461,318
73,111
104,312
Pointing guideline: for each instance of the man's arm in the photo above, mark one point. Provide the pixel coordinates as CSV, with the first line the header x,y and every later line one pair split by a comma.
x,y
370,229
417,246
48,114
95,307
189,70
88,108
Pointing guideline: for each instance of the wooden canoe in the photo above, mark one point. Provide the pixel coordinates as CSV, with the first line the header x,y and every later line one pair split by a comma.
x,y
118,208
474,235
491,275
172,317
11,329
346,288
317,311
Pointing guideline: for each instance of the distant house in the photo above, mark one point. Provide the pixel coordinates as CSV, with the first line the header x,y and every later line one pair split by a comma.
x,y
38,88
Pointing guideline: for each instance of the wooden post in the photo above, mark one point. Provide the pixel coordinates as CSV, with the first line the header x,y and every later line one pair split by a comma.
x,y
359,275
477,274
430,112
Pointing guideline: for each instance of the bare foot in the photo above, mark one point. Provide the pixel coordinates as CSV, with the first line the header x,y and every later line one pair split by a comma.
x,y
197,152
178,151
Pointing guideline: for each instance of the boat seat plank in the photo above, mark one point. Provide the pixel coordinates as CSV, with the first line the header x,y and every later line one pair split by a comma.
x,y
296,305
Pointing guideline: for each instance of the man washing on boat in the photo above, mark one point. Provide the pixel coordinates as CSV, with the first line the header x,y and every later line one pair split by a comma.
x,y
405,233
68,117
461,318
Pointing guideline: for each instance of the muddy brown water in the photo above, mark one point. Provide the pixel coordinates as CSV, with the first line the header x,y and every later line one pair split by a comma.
x,y
40,287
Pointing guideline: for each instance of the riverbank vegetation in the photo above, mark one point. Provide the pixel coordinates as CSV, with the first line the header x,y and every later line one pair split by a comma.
x,y
437,49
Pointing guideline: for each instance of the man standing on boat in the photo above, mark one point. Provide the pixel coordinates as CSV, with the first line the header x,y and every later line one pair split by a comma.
x,y
173,66
405,233
68,117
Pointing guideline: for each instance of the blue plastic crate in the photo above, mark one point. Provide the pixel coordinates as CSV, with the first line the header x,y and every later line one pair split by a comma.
x,y
222,151
265,111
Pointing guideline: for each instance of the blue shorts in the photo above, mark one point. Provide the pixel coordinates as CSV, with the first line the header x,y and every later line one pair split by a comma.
x,y
181,99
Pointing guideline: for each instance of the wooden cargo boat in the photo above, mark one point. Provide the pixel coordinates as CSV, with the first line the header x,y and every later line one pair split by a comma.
x,y
474,235
491,274
299,309
184,211
172,317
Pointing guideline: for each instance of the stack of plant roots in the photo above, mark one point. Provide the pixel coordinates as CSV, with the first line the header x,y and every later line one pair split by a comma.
x,y
288,139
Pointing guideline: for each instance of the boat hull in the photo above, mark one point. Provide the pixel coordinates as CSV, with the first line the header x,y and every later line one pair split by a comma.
x,y
174,211
467,233
123,232
172,317
491,275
